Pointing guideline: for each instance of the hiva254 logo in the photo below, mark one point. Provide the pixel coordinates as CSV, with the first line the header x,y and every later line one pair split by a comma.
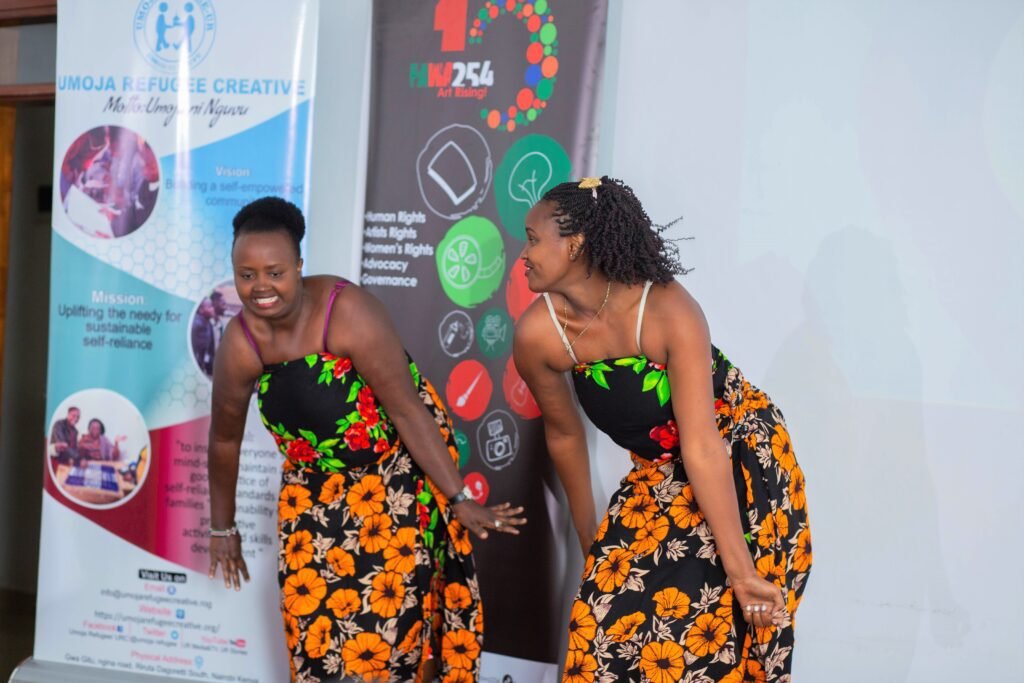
x,y
472,79
169,33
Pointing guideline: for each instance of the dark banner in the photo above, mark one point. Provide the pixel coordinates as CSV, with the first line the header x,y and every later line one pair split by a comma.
x,y
477,109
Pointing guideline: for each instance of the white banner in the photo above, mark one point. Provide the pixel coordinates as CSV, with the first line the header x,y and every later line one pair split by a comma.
x,y
170,115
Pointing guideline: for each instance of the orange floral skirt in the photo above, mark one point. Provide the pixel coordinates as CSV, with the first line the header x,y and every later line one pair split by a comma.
x,y
376,576
654,604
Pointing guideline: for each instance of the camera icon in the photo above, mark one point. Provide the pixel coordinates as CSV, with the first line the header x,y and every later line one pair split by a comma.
x,y
498,438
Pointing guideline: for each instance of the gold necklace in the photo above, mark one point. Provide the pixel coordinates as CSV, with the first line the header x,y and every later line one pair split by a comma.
x,y
565,316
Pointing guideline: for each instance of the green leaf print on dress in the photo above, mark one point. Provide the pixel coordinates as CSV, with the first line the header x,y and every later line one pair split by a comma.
x,y
596,372
655,380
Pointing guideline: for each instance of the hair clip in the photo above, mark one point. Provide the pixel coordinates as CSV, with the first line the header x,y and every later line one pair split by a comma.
x,y
590,184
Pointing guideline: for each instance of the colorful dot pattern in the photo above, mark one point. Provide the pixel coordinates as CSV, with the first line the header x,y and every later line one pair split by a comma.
x,y
541,59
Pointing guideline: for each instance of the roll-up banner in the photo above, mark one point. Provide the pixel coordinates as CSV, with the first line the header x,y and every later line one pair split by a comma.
x,y
170,115
477,108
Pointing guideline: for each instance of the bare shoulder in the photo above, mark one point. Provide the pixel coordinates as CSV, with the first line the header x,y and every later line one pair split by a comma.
x,y
236,358
672,315
359,323
353,300
537,340
672,301
321,285
534,321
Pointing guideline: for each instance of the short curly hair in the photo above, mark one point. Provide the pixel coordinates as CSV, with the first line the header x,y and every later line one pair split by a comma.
x,y
620,240
268,214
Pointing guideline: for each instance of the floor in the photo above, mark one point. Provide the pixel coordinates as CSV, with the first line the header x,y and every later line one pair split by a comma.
x,y
17,628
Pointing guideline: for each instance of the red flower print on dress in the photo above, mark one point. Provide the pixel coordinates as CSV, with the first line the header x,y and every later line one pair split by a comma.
x,y
357,437
341,367
368,407
381,446
302,451
667,435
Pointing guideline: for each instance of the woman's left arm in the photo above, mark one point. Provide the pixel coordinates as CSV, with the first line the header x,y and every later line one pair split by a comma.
x,y
706,456
361,326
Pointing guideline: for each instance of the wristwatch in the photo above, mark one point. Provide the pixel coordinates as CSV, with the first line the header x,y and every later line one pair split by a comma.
x,y
461,497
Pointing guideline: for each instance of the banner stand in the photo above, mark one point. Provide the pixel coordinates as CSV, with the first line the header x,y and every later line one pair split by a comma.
x,y
476,110
36,671
167,121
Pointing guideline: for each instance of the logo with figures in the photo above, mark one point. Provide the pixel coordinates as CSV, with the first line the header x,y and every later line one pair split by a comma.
x,y
169,33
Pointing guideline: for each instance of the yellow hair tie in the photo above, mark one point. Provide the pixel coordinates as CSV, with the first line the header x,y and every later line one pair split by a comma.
x,y
590,184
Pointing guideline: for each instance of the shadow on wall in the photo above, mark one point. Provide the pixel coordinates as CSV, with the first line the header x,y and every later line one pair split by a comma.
x,y
878,573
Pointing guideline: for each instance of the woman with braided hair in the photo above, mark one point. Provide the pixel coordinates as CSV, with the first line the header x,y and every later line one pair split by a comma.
x,y
698,566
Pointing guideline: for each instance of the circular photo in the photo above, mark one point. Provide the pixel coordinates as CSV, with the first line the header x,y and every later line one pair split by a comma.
x,y
109,182
98,448
211,317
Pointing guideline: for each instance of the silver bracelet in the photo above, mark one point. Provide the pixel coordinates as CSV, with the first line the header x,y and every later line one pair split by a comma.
x,y
224,533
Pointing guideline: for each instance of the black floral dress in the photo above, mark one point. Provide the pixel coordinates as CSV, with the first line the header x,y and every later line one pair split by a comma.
x,y
376,575
654,603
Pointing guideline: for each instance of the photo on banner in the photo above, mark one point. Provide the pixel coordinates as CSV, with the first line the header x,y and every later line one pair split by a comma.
x,y
167,122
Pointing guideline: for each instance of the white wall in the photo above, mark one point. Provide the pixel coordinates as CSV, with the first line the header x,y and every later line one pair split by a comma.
x,y
852,173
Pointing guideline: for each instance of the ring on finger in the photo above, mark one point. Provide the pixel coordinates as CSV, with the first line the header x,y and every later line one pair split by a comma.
x,y
497,524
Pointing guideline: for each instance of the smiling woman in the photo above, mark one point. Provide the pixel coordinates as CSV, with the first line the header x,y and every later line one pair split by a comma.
x,y
704,553
370,494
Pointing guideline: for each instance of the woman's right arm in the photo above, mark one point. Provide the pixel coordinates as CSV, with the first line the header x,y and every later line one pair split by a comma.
x,y
563,429
235,371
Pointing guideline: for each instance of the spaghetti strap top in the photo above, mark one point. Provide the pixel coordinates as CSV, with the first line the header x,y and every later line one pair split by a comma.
x,y
561,332
565,340
640,313
338,286
322,413
629,398
248,335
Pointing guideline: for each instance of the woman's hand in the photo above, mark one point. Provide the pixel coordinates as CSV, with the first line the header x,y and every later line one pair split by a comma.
x,y
479,519
761,601
226,551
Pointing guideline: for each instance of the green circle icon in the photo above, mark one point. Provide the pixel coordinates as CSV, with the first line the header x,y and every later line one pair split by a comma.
x,y
462,443
494,333
548,33
471,261
531,167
